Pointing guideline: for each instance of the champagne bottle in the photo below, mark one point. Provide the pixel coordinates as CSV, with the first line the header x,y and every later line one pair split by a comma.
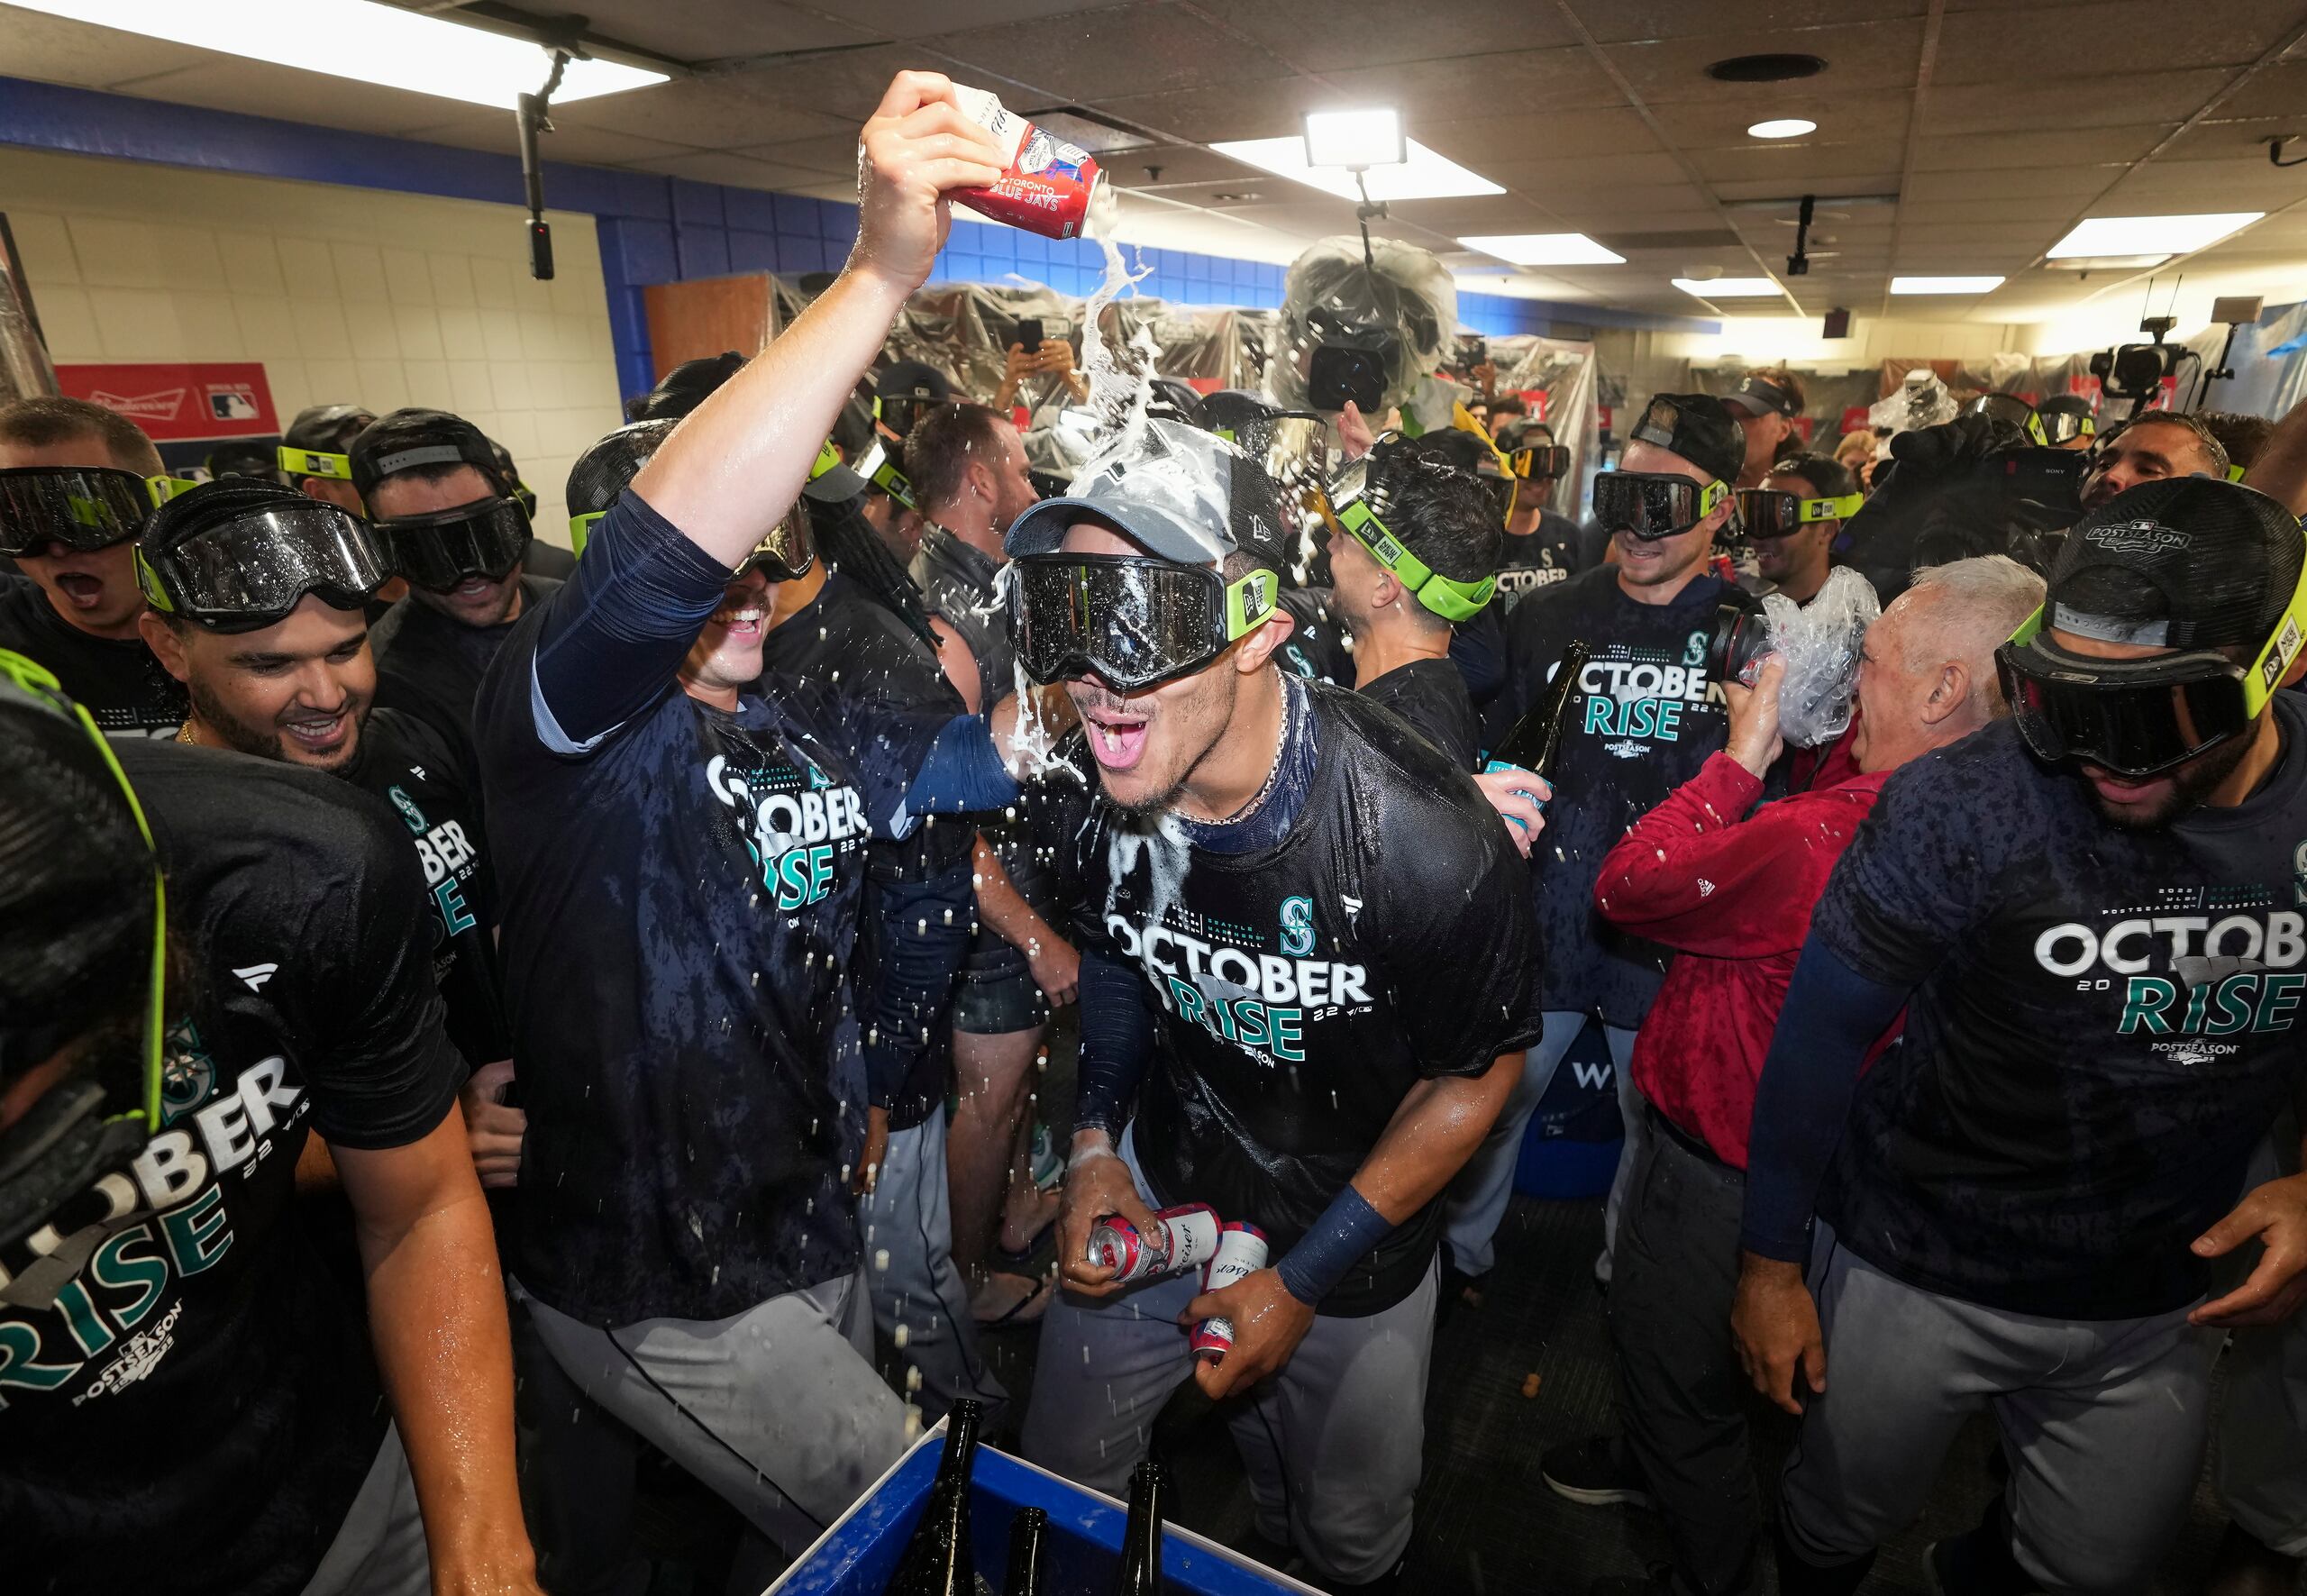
x,y
1025,1531
937,1560
1141,1542
1535,741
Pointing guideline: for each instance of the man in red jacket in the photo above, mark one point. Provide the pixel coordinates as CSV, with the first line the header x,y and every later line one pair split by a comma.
x,y
1730,887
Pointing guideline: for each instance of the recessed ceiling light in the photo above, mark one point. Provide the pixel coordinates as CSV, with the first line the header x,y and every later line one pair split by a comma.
x,y
362,41
1728,287
1945,285
1545,248
1424,175
2142,235
1783,127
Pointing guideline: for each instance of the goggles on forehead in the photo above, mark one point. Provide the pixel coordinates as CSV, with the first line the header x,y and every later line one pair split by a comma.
x,y
1771,512
1453,600
78,1128
249,572
880,470
1653,505
788,550
1133,622
438,550
2140,717
82,507
316,462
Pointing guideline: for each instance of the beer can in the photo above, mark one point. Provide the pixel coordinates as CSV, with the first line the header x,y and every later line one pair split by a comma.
x,y
1241,1253
1048,186
1181,1239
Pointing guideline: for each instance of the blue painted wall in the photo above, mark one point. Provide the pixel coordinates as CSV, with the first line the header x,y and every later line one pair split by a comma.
x,y
655,229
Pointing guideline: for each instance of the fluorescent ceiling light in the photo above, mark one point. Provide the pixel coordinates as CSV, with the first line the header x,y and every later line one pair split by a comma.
x,y
1545,248
362,41
1424,175
1783,127
1945,285
2148,235
1728,287
1355,138
2107,262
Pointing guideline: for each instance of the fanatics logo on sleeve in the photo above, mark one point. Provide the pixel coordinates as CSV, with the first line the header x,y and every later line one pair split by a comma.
x,y
256,975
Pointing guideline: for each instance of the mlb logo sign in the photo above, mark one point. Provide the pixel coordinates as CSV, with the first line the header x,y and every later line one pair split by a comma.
x,y
233,403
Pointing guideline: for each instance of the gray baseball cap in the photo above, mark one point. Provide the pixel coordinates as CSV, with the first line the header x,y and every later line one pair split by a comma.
x,y
1183,495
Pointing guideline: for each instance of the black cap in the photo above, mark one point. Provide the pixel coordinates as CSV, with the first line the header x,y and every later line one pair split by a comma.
x,y
2183,562
1460,449
243,457
602,472
411,440
1698,428
1184,495
327,429
686,387
913,379
1759,396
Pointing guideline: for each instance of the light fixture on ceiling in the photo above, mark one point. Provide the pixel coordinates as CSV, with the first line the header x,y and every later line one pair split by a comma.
x,y
2145,236
1728,287
363,41
1781,127
1423,174
2106,263
1945,285
1545,248
1355,140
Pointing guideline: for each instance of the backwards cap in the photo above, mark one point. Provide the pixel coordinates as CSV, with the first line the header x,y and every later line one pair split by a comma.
x,y
2182,562
1184,495
1696,426
411,440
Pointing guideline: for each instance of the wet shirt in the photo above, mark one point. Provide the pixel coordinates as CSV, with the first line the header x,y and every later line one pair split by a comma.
x,y
195,1406
431,666
681,891
1643,720
1305,984
1317,649
116,679
1431,695
957,582
2102,1025
1548,555
411,766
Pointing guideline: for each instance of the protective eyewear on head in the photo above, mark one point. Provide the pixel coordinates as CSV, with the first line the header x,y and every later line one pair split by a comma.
x,y
82,507
1130,621
250,571
1771,512
440,549
1453,600
882,472
2140,717
1653,505
316,462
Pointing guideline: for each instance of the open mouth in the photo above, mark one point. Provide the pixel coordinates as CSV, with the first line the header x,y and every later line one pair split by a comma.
x,y
84,592
474,587
1118,741
744,623
318,734
2125,790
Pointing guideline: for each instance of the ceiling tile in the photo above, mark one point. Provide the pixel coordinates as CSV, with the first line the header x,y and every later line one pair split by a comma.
x,y
2279,90
1827,189
848,84
715,29
1132,50
2051,183
1184,165
1858,56
1548,80
1591,172
909,19
1793,162
1267,110
2024,105
2114,36
1614,22
718,166
1353,33
707,113
834,154
51,50
1698,125
1973,152
1932,212
1531,135
2244,142
1474,214
482,129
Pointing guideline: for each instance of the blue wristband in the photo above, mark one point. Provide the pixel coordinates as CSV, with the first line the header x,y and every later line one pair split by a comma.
x,y
1341,1238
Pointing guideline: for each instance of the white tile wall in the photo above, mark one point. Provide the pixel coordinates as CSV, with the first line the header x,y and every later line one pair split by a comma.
x,y
344,293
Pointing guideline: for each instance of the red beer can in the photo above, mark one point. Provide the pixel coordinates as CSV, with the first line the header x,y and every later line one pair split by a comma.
x,y
1182,1238
1241,1253
1048,186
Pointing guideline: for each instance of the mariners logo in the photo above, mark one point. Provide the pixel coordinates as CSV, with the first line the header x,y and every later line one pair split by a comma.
x,y
187,1074
1297,927
409,812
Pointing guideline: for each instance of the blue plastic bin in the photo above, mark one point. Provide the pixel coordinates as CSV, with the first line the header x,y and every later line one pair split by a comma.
x,y
858,1553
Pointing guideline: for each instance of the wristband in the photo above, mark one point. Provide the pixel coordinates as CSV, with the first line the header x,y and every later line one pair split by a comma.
x,y
1341,1238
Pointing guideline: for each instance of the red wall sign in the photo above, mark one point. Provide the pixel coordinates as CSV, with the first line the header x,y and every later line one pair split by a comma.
x,y
181,401
1854,420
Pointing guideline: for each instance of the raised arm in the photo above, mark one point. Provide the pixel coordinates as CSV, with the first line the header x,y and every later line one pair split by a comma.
x,y
2281,469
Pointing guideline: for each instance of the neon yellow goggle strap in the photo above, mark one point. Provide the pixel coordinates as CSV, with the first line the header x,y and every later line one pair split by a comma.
x,y
164,488
1710,499
2235,473
828,459
1251,603
149,579
1453,600
1226,433
886,477
580,527
1841,508
36,681
314,462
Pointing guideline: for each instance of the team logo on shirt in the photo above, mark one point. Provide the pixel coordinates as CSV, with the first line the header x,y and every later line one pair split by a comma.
x,y
449,859
1297,927
795,824
2184,978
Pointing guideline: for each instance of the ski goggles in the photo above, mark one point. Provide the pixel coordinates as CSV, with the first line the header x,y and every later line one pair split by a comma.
x,y
316,462
1453,600
1131,621
1538,461
249,572
1653,505
82,507
2044,429
878,468
788,553
2139,717
1771,512
440,549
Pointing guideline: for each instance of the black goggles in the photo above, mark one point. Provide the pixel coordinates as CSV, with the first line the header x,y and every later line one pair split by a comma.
x,y
1771,512
1653,505
2045,429
1547,461
82,507
2139,717
1130,621
250,571
437,551
788,550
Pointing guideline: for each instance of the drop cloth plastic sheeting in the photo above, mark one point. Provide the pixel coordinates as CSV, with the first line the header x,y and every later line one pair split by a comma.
x,y
1820,643
1410,294
1920,399
24,370
1566,373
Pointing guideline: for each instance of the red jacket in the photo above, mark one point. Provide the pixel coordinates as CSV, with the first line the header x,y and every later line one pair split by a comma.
x,y
1732,894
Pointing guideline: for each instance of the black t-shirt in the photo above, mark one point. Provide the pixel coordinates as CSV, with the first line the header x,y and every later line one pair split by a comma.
x,y
431,666
1643,719
1304,987
680,896
1431,695
413,766
116,679
2103,1023
1317,649
957,582
197,1408
1548,554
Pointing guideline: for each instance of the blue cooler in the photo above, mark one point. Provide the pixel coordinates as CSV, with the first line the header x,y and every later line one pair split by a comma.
x,y
1571,1150
1082,1547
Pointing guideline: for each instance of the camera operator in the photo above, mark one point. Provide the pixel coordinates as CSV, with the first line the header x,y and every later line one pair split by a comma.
x,y
1730,886
2148,448
2025,1198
